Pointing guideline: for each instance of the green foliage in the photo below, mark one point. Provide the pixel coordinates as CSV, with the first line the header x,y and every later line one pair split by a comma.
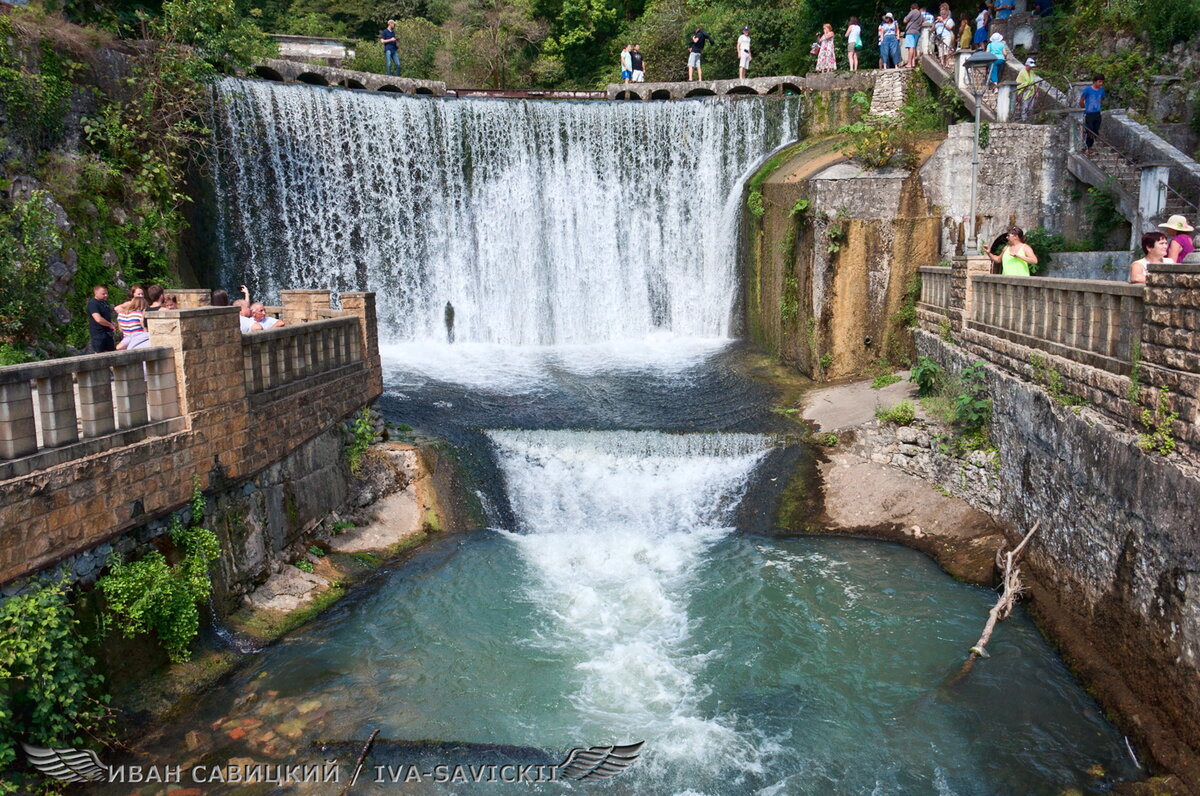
x,y
216,32
52,696
789,302
1044,244
28,239
1158,437
35,100
879,141
946,330
972,406
985,135
304,565
1134,393
362,434
897,340
826,439
927,375
835,234
151,595
826,361
1102,212
883,381
754,203
902,414
799,208
316,551
340,527
1046,375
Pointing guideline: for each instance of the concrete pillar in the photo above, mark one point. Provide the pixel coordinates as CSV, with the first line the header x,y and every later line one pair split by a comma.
x,y
190,298
18,430
95,402
162,395
1005,95
961,271
303,305
1170,343
960,72
56,405
363,305
129,395
1152,192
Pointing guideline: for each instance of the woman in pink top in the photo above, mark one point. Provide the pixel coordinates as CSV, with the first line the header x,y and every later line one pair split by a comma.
x,y
1181,242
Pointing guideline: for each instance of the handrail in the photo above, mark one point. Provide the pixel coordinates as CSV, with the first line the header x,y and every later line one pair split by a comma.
x,y
11,374
267,335
1195,211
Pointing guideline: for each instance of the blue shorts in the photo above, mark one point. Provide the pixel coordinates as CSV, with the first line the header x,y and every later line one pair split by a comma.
x,y
910,41
626,74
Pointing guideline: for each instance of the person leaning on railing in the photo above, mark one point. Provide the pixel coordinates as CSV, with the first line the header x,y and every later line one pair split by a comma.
x,y
1016,256
1154,246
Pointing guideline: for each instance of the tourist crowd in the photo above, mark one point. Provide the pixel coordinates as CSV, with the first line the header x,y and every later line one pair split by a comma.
x,y
127,321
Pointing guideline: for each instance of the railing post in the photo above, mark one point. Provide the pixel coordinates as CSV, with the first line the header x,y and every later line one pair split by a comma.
x,y
303,305
1004,101
129,395
56,405
162,395
960,305
18,429
363,305
95,402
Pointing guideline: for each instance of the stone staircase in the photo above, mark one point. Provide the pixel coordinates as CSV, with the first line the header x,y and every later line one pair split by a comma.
x,y
890,89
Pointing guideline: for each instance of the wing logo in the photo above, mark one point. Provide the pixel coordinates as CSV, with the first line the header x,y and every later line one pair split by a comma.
x,y
598,762
67,765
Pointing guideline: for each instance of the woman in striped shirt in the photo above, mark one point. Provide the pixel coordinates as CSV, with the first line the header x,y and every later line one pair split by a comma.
x,y
131,320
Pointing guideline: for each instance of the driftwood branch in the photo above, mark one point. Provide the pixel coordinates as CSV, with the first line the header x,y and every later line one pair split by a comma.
x,y
361,757
1011,589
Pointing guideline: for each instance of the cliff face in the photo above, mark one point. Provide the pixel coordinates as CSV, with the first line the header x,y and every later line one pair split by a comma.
x,y
829,263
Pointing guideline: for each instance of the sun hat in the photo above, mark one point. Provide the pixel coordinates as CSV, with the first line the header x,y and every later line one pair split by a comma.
x,y
888,15
997,37
1030,63
1178,223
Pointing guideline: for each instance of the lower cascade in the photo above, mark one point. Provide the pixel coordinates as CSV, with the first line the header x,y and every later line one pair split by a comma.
x,y
523,222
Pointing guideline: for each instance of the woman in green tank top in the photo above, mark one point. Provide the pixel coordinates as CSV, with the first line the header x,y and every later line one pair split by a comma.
x,y
1016,257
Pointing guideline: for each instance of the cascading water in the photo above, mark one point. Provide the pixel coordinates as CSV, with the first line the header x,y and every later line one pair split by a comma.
x,y
614,526
518,223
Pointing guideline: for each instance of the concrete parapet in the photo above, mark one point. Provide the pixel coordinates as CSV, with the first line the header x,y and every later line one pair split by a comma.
x,y
147,424
777,85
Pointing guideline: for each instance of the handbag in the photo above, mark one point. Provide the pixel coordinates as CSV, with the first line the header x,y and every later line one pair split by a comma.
x,y
858,43
816,48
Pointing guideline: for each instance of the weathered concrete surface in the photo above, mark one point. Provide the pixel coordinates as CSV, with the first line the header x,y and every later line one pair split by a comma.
x,y
1115,568
398,517
751,86
848,405
284,71
288,590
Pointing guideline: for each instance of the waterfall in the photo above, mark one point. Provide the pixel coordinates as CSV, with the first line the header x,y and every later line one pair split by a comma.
x,y
491,221
613,526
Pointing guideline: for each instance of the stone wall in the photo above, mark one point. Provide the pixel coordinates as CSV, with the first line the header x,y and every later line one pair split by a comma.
x,y
1116,561
1111,265
223,434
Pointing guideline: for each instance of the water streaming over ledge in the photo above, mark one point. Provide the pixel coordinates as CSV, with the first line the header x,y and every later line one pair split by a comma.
x,y
538,222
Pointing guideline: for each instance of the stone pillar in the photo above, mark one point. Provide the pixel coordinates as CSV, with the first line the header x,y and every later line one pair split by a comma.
x,y
303,305
56,405
960,73
190,298
18,431
95,402
129,395
210,384
961,271
162,395
1171,342
363,305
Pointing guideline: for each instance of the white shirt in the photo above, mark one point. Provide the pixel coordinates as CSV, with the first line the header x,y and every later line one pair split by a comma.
x,y
743,44
268,322
853,33
245,322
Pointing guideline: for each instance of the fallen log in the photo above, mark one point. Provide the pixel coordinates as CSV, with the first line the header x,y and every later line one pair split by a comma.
x,y
1011,589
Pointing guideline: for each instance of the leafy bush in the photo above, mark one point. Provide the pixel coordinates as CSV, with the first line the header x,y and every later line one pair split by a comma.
x,y
52,696
878,142
1158,437
754,203
972,406
28,239
362,434
304,565
927,375
883,381
902,414
150,595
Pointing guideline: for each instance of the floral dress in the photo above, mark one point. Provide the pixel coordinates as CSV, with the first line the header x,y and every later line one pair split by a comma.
x,y
826,60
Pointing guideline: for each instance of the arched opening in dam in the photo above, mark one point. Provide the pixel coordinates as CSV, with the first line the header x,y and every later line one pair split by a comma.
x,y
558,297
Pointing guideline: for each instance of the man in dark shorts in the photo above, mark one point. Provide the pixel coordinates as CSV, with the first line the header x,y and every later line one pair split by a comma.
x,y
100,321
696,51
391,47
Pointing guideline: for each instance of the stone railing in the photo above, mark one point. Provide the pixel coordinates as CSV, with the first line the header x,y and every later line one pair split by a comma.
x,y
63,409
935,287
1087,336
279,357
95,466
1090,321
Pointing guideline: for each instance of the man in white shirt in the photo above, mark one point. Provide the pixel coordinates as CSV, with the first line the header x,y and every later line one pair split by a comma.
x,y
245,320
261,320
743,50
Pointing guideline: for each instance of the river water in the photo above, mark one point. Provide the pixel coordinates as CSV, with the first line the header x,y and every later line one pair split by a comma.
x,y
628,585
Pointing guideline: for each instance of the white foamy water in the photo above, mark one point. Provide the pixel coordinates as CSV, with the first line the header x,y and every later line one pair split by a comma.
x,y
540,223
614,525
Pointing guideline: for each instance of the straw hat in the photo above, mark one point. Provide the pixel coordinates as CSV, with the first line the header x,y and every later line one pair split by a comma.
x,y
1178,223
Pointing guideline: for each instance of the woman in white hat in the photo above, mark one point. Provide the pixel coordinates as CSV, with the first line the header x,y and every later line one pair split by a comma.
x,y
998,48
1181,243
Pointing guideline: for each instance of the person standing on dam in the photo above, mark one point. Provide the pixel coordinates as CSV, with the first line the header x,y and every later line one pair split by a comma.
x,y
743,50
696,53
391,47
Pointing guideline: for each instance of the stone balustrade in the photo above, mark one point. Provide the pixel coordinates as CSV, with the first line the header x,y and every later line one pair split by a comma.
x,y
1090,321
278,357
935,288
93,446
63,409
1094,334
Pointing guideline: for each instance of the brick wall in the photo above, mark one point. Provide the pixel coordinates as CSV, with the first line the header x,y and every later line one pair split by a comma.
x,y
222,435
